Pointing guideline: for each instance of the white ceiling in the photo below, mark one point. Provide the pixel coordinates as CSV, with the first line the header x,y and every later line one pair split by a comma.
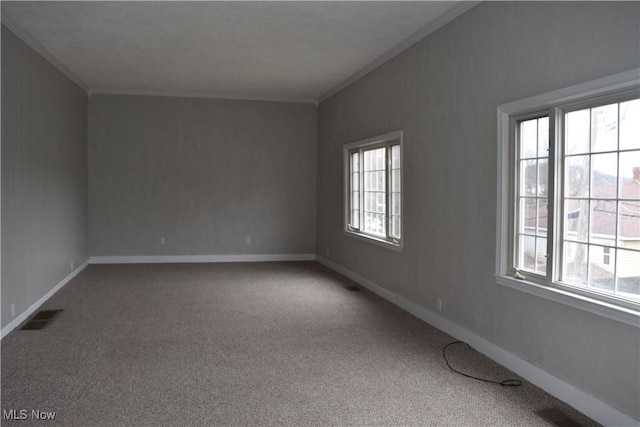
x,y
297,51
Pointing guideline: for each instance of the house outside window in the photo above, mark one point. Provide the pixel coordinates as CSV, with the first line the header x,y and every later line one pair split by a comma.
x,y
569,196
373,190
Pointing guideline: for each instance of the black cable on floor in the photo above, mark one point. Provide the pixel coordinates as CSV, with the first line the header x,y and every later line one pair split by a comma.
x,y
505,383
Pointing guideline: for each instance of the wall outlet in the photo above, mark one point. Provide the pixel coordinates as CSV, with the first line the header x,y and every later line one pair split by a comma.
x,y
439,305
162,240
327,252
248,240
13,310
71,266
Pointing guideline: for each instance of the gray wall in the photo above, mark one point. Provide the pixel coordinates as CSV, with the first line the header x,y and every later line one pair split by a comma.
x,y
44,176
202,173
443,92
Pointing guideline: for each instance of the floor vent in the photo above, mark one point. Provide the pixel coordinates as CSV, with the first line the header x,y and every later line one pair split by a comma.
x,y
40,320
557,418
353,288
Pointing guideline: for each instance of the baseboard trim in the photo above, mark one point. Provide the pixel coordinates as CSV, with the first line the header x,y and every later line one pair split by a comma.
x,y
163,259
583,402
25,314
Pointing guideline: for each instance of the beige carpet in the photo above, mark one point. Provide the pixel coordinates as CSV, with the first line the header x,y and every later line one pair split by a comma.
x,y
247,344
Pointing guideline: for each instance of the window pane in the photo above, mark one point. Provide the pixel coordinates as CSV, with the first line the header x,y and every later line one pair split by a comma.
x,y
574,265
543,177
368,181
395,203
381,159
374,223
355,181
395,180
532,193
528,177
604,172
577,132
528,139
629,222
369,201
541,255
541,217
381,203
576,220
577,176
601,274
543,137
630,175
395,226
381,181
527,250
354,219
374,192
630,124
528,216
395,157
603,222
628,270
604,128
396,186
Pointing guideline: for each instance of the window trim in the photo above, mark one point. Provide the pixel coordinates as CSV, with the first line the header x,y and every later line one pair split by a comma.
x,y
391,138
580,94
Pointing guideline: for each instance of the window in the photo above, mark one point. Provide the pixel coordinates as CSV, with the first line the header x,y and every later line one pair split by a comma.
x,y
569,196
373,189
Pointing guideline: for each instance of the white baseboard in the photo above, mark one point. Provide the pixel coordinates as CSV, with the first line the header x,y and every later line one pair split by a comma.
x,y
25,314
160,259
583,402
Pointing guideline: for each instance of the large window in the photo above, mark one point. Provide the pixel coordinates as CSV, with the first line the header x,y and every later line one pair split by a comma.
x,y
569,202
373,193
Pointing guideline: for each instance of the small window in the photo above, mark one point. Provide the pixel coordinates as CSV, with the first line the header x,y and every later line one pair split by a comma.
x,y
373,189
569,200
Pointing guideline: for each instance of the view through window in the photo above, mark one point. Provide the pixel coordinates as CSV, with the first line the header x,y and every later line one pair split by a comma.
x,y
373,176
598,200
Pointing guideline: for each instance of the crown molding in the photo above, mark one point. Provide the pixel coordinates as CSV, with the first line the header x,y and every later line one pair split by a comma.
x,y
209,95
30,41
431,27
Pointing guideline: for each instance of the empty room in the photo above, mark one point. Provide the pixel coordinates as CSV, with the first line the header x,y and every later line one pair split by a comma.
x,y
320,213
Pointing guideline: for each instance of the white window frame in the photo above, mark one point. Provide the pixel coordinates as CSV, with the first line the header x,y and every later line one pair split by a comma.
x,y
386,140
619,85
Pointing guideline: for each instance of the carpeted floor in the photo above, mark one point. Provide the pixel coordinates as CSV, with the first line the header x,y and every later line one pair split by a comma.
x,y
247,344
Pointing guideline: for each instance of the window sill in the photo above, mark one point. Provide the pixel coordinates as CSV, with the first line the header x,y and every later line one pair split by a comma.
x,y
376,241
591,305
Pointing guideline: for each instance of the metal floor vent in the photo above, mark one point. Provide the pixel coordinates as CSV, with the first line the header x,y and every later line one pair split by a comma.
x,y
557,418
40,320
353,288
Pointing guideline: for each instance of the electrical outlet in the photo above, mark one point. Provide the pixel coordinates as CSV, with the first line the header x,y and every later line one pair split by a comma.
x,y
162,240
328,251
13,310
439,305
71,266
248,240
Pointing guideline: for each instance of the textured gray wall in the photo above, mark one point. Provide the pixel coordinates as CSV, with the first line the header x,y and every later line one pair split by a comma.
x,y
44,176
202,173
443,92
